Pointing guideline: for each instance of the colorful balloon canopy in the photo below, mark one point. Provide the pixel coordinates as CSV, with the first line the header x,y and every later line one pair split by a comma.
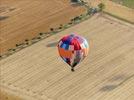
x,y
73,49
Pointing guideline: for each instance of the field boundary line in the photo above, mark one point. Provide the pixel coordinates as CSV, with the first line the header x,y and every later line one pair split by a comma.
x,y
117,17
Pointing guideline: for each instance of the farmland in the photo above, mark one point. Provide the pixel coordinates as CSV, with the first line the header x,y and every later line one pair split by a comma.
x,y
128,3
22,20
115,9
37,72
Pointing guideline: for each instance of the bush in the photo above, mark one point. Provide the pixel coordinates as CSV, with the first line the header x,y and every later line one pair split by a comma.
x,y
72,20
34,38
11,50
51,29
92,11
75,1
40,33
27,43
70,23
38,37
14,49
26,40
17,45
60,27
101,6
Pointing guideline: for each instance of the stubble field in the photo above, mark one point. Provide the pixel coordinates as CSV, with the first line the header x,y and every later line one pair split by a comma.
x,y
115,9
107,73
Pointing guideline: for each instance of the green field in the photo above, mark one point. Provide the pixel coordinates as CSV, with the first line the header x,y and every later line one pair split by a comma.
x,y
128,3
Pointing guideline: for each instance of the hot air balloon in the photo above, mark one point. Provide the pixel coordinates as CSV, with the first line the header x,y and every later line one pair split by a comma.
x,y
73,49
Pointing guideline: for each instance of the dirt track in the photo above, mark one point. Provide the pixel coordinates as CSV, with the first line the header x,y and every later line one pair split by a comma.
x,y
25,19
106,74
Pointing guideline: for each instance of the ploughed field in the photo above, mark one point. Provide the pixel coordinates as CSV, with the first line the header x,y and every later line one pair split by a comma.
x,y
38,73
25,19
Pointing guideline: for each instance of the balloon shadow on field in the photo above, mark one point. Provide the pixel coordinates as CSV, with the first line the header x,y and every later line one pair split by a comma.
x,y
116,82
52,44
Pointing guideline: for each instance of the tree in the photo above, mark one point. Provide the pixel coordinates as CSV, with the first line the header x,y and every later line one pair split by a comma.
x,y
13,49
83,3
101,6
40,33
26,40
81,15
77,18
72,20
75,1
27,43
92,11
60,27
51,29
70,23
10,50
17,45
38,37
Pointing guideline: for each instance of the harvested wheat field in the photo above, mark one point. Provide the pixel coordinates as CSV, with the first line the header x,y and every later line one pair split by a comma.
x,y
25,19
115,9
38,73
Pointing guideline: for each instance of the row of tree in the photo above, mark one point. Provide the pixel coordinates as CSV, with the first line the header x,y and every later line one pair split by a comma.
x,y
101,6
90,10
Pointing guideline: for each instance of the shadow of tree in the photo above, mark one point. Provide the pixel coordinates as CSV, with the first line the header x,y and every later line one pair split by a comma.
x,y
52,44
3,17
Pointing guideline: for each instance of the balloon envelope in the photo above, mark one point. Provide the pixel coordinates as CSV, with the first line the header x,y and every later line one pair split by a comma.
x,y
73,49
